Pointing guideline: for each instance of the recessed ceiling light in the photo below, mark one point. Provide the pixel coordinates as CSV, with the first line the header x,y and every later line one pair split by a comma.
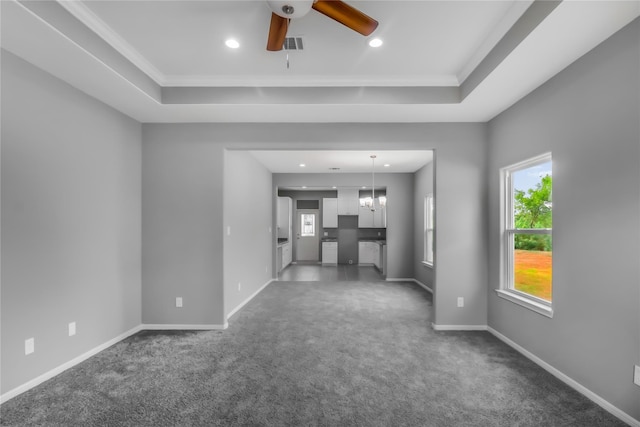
x,y
387,165
334,187
375,42
364,187
232,43
304,186
302,165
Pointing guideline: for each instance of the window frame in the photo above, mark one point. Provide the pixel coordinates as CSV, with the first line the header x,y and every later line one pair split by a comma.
x,y
508,231
429,230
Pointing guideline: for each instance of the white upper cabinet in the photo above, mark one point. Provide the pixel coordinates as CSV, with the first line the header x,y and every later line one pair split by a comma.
x,y
284,217
329,213
348,202
380,216
373,219
365,217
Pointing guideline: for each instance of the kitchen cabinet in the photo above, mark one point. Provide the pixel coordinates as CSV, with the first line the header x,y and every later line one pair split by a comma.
x,y
348,202
330,252
286,255
372,219
330,213
365,217
369,253
284,217
372,253
377,259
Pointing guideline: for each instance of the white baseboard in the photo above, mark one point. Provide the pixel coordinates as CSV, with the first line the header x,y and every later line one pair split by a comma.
x,y
71,363
399,279
183,327
252,296
567,380
459,327
422,285
428,289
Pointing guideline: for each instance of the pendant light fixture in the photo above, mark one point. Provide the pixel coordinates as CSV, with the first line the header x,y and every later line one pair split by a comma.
x,y
369,202
373,183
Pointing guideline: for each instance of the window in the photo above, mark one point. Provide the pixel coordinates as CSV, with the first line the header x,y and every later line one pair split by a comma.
x,y
428,230
308,222
526,245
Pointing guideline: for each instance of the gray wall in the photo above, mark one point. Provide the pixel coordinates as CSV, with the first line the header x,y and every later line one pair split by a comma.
x,y
588,117
423,184
248,204
182,177
70,222
182,227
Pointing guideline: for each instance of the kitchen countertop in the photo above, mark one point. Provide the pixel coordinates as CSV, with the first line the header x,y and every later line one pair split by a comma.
x,y
282,242
329,239
374,240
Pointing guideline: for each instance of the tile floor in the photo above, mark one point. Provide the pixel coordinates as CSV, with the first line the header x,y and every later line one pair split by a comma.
x,y
329,273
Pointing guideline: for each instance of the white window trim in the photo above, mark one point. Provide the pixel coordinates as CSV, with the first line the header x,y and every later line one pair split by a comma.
x,y
507,232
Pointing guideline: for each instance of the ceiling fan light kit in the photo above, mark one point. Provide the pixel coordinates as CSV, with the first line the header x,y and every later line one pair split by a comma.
x,y
285,10
290,9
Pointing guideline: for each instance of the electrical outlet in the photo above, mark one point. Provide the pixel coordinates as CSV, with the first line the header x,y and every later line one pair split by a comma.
x,y
72,329
636,375
29,346
228,230
326,233
379,233
266,268
460,302
178,301
350,261
239,286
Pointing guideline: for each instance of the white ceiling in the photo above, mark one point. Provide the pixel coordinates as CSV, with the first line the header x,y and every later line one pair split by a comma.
x,y
315,161
184,41
442,61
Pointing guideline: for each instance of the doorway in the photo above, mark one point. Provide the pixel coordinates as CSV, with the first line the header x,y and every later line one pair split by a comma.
x,y
307,235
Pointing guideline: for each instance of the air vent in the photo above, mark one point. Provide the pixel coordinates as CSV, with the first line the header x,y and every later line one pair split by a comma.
x,y
293,43
334,169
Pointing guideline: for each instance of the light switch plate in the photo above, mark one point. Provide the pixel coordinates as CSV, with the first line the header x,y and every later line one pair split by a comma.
x,y
178,302
72,329
636,375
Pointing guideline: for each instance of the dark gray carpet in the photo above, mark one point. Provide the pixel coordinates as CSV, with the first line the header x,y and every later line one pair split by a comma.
x,y
310,353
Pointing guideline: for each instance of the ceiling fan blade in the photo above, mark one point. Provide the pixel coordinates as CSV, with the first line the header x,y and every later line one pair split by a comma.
x,y
346,15
277,32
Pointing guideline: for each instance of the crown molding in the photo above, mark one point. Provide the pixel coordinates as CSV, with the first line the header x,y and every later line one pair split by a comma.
x,y
506,23
98,26
313,81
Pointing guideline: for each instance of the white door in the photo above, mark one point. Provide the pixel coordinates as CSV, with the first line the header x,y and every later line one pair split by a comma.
x,y
307,248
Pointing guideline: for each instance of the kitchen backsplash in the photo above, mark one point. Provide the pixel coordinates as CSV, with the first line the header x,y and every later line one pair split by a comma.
x,y
363,233
372,233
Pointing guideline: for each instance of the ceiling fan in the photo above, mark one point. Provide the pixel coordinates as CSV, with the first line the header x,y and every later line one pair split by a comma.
x,y
285,10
